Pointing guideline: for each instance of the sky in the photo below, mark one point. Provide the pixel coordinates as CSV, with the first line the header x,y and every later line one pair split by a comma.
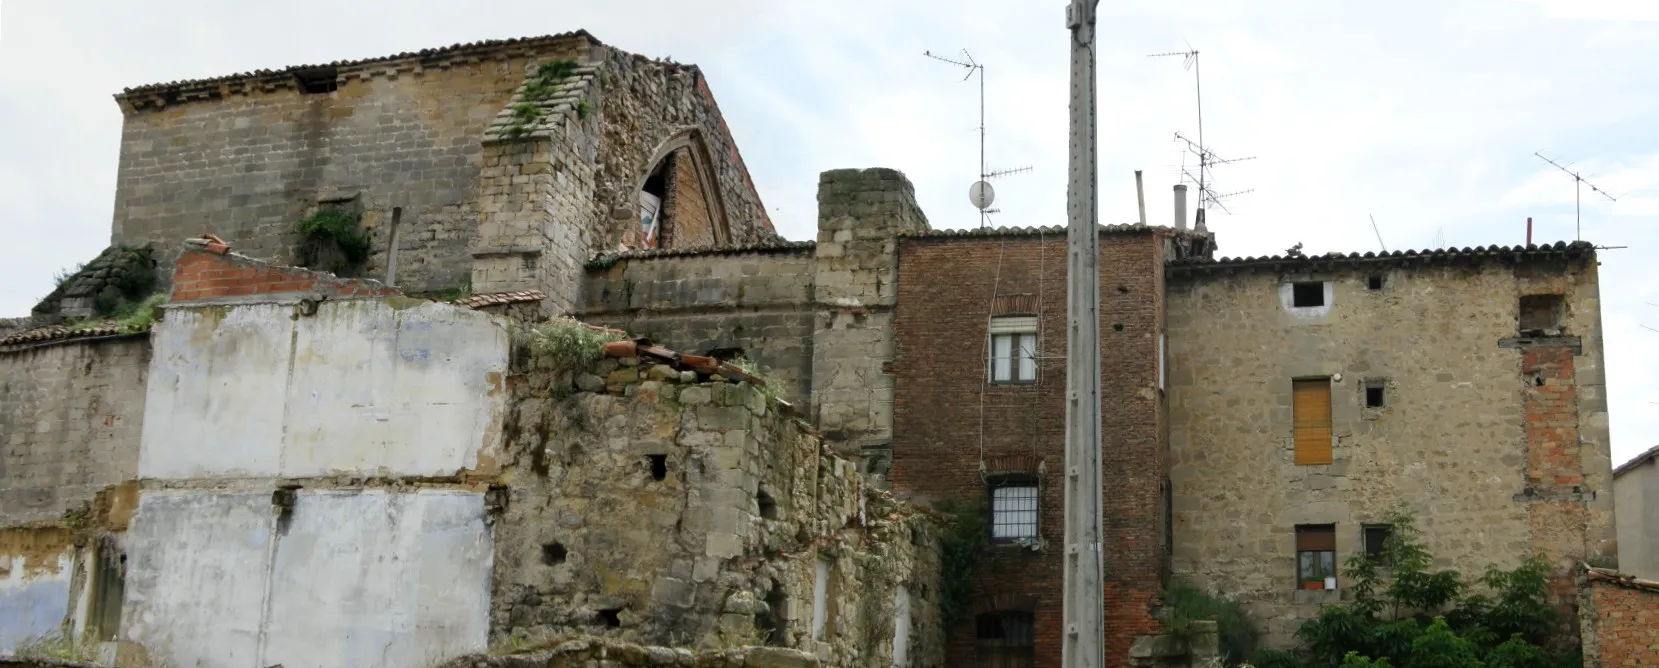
x,y
1422,114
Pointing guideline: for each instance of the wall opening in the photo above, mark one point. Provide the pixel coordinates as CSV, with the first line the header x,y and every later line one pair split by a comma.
x,y
1375,394
1305,295
772,624
659,466
554,554
651,196
1376,537
610,617
319,80
767,505
1005,639
1374,282
109,585
1541,313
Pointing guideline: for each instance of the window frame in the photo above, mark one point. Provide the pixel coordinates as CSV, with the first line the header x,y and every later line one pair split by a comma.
x,y
1318,540
1007,650
1019,331
1379,552
1035,510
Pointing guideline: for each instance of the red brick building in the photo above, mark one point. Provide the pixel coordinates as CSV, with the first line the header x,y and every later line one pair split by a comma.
x,y
979,414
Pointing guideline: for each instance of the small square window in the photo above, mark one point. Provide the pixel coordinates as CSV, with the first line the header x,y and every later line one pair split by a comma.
x,y
1374,282
1014,511
1304,295
1376,542
1374,395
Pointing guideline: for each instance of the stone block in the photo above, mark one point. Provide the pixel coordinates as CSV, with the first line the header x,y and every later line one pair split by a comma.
x,y
723,545
677,593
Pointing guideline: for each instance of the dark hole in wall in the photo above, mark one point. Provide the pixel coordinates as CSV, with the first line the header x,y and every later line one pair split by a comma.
x,y
659,466
768,505
1374,282
611,618
1538,381
553,554
1373,395
1304,295
320,80
726,354
1541,312
771,624
1117,327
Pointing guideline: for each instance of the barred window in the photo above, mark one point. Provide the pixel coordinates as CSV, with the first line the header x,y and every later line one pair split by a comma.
x,y
1004,640
1014,511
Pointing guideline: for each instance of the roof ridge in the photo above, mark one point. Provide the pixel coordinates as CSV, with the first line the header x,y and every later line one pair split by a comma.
x,y
1448,252
1015,230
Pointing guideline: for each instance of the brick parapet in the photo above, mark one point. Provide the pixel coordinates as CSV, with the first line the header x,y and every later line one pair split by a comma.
x,y
204,275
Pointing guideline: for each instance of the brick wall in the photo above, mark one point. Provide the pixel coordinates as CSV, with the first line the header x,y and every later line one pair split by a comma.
x,y
204,275
1620,618
687,224
70,417
946,417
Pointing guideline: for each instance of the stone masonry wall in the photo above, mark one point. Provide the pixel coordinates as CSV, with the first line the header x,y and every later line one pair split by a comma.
x,y
249,166
661,510
757,300
1483,443
70,417
953,431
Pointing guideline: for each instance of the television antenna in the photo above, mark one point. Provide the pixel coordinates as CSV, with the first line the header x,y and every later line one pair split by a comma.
x,y
1378,233
980,194
1206,157
1578,180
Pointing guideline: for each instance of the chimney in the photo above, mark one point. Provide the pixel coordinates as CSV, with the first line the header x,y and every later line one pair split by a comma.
x,y
1529,230
1180,206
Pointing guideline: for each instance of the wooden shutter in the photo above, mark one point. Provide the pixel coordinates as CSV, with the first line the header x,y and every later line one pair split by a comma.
x,y
1312,417
1316,538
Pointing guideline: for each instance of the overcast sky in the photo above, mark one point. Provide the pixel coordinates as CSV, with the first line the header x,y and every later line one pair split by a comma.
x,y
1422,113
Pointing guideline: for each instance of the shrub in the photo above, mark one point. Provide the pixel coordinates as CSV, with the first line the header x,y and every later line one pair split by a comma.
x,y
1186,604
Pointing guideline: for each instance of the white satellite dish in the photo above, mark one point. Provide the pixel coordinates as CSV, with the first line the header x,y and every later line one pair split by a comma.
x,y
981,194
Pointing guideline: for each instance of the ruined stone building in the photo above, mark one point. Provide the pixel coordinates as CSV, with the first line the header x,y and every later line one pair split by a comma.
x,y
381,466
1636,488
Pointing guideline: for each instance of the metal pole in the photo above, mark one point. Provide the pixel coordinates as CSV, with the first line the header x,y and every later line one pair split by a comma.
x,y
1084,595
1140,196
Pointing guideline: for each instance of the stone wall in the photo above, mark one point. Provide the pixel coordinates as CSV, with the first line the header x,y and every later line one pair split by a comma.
x,y
1498,452
70,416
757,300
1636,488
601,653
403,142
646,506
954,432
1620,617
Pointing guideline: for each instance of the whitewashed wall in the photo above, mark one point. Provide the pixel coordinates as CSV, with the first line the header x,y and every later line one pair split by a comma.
x,y
351,578
34,598
361,387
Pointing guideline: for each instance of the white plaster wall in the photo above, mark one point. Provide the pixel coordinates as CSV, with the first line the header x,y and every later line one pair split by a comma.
x,y
34,598
362,387
351,578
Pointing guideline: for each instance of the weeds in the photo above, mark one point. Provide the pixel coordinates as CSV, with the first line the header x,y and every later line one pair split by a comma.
x,y
565,343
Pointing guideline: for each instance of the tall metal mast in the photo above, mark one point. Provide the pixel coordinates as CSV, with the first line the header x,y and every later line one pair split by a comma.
x,y
1084,602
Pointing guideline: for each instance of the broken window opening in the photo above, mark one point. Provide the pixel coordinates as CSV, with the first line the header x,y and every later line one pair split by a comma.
x,y
1541,314
1374,394
1316,556
1014,350
766,505
320,80
1305,295
773,623
1376,538
1005,639
1374,282
1014,510
651,196
610,617
553,554
659,466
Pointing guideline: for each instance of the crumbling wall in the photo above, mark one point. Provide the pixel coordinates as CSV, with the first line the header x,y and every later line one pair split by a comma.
x,y
757,300
1619,616
1497,451
650,506
36,564
70,415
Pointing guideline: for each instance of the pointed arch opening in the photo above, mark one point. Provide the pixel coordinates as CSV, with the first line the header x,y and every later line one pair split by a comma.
x,y
677,199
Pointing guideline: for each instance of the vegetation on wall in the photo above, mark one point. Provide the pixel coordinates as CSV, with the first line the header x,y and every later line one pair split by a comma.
x,y
961,542
1406,615
116,283
541,86
1185,604
331,240
563,343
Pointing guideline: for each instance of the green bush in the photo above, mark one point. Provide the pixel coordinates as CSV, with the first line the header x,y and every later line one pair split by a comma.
x,y
1186,604
333,241
1410,616
961,542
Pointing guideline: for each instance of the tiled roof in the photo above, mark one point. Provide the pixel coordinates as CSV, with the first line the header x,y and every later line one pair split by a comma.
x,y
1620,579
57,333
1478,253
1050,230
1651,454
563,102
491,299
779,246
464,49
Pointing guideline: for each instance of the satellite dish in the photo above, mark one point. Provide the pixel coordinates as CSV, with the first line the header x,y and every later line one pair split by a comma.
x,y
981,194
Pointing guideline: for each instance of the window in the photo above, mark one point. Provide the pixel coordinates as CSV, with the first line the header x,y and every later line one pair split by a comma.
x,y
1304,295
319,80
1311,408
1374,282
1540,313
1316,556
1004,640
1014,349
1374,394
1376,541
1014,511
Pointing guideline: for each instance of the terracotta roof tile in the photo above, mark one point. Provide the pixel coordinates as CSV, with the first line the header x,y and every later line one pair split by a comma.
x,y
1620,579
1651,454
1478,253
764,247
494,298
54,333
1050,230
